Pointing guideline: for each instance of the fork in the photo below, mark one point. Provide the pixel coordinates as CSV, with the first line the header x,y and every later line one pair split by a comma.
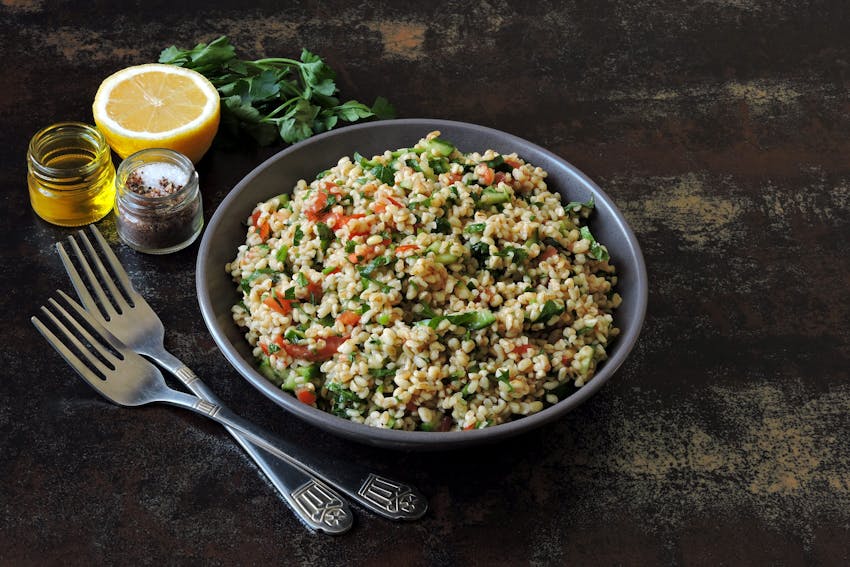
x,y
125,378
127,316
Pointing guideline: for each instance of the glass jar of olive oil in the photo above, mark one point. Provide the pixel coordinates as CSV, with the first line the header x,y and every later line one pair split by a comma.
x,y
70,174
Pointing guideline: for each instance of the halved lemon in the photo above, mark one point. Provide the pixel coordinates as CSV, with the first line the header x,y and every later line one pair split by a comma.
x,y
157,106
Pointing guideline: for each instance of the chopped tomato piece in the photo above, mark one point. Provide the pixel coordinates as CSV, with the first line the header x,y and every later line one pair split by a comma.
x,y
331,346
315,290
265,348
352,258
348,318
522,349
485,174
304,353
306,396
470,426
381,206
513,163
265,231
455,177
499,177
255,217
298,351
407,247
282,306
548,253
319,203
342,220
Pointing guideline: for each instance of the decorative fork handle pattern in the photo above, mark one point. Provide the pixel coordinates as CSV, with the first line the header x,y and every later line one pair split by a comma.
x,y
385,496
393,497
321,505
186,376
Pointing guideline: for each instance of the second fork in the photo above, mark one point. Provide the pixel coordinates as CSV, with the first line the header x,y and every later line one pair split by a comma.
x,y
126,314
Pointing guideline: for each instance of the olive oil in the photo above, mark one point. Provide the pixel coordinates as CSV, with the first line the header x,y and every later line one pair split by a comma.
x,y
70,174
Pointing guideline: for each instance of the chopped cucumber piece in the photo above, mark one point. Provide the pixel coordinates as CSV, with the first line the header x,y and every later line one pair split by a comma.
x,y
493,197
439,147
550,309
446,258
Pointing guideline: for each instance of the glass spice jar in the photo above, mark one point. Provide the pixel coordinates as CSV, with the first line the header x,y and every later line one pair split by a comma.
x,y
70,175
157,201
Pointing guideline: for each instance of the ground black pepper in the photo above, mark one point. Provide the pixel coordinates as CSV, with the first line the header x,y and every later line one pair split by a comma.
x,y
159,206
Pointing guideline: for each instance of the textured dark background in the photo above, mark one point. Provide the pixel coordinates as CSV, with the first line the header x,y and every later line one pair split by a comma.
x,y
720,127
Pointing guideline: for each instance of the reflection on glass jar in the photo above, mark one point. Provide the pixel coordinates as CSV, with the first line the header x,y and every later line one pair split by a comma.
x,y
70,174
157,203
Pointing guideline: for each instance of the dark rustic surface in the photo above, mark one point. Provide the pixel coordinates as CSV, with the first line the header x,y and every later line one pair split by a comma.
x,y
722,130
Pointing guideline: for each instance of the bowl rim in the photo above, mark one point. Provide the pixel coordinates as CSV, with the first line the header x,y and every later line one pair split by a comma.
x,y
421,440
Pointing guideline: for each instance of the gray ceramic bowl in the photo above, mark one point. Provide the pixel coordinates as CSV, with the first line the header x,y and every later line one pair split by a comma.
x,y
226,231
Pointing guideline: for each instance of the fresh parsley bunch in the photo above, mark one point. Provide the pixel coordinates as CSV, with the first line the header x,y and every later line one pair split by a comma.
x,y
274,98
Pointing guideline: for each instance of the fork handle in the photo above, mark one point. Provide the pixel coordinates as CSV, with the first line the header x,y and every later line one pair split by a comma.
x,y
316,505
387,497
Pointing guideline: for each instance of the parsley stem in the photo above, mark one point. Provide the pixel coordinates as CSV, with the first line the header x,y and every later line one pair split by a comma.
x,y
277,110
273,60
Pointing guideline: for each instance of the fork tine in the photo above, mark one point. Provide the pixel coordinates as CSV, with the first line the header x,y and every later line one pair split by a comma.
x,y
117,268
77,281
119,299
63,350
104,303
104,336
83,351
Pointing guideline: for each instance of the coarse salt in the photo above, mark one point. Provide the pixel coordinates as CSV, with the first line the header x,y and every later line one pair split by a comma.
x,y
153,173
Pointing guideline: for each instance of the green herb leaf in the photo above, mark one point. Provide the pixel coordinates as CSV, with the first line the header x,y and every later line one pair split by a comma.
x,y
274,98
299,234
382,372
518,255
473,320
550,309
384,173
480,251
382,109
367,270
282,254
352,111
597,251
293,335
442,225
505,376
576,204
326,235
382,286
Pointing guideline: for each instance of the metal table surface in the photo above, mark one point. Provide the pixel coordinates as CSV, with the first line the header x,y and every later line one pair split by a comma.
x,y
721,130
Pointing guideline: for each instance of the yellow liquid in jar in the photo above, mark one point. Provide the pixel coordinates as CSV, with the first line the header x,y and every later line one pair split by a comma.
x,y
71,177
